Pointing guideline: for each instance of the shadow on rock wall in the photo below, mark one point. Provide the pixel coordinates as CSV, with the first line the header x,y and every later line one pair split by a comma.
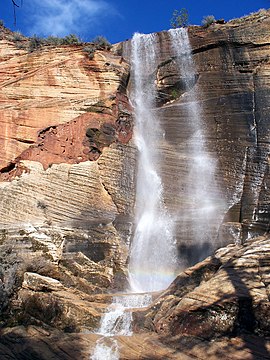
x,y
34,343
235,323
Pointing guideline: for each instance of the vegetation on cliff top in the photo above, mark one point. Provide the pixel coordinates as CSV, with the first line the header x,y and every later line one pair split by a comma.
x,y
35,43
258,15
180,18
208,20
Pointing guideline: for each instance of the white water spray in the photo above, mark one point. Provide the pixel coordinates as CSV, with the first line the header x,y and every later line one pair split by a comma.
x,y
117,321
153,254
106,349
204,200
152,262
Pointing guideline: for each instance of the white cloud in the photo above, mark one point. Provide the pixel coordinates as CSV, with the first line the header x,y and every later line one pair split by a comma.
x,y
62,17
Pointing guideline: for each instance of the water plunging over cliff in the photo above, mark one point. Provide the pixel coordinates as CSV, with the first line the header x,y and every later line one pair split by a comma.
x,y
153,255
202,213
152,262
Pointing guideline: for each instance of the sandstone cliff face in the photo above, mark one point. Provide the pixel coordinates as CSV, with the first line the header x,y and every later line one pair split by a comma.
x,y
67,172
227,294
233,62
216,309
232,87
49,87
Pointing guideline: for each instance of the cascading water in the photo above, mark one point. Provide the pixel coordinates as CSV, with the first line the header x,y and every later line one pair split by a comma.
x,y
152,262
203,198
117,321
153,254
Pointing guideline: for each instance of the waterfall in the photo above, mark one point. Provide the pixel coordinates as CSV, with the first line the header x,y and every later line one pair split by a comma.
x,y
153,253
152,261
117,320
204,203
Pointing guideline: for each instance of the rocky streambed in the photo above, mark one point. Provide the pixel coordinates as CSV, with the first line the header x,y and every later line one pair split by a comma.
x,y
218,308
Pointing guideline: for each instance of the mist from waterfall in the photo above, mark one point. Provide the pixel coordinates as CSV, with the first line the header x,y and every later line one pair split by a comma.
x,y
152,262
153,253
202,196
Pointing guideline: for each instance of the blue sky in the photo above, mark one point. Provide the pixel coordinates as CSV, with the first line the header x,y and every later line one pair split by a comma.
x,y
117,20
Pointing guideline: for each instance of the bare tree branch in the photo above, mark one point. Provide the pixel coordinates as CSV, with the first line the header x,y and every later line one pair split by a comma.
x,y
14,4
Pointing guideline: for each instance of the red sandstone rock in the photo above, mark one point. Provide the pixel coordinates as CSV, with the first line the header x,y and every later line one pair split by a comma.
x,y
52,87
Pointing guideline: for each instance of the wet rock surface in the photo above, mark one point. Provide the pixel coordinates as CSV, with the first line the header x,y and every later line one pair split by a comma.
x,y
67,198
231,81
225,295
35,343
218,308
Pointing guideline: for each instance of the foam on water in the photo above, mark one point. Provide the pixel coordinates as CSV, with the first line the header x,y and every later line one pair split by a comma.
x,y
117,320
106,349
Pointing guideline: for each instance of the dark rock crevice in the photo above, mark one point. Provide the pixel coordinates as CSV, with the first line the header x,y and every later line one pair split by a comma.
x,y
11,166
254,112
222,43
25,141
171,86
108,192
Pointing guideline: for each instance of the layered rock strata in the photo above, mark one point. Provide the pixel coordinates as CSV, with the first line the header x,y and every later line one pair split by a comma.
x,y
67,168
232,88
216,309
226,294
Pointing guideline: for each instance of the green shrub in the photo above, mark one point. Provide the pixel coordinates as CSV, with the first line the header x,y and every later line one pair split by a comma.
x,y
2,22
35,43
208,20
71,39
17,36
179,18
175,94
101,43
10,276
54,40
90,51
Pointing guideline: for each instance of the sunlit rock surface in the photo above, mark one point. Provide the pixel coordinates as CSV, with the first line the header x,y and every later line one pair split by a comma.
x,y
226,294
67,170
41,90
65,160
216,309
